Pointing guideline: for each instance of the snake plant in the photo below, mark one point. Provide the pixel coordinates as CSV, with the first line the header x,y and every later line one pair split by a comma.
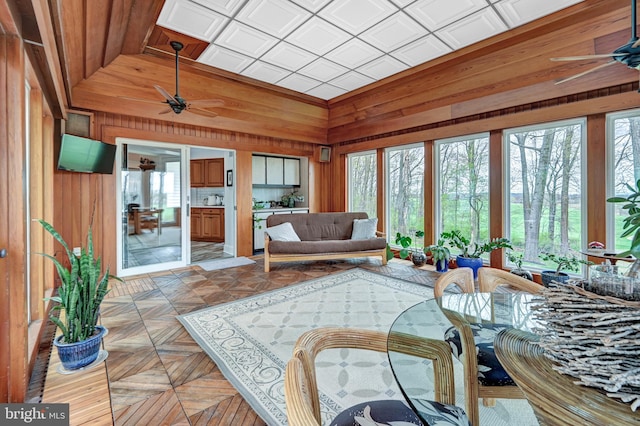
x,y
81,291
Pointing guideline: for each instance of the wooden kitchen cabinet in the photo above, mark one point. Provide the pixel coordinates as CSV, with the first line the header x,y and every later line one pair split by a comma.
x,y
207,224
208,172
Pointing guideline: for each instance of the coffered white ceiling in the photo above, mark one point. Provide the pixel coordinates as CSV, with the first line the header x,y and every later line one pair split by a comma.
x,y
329,47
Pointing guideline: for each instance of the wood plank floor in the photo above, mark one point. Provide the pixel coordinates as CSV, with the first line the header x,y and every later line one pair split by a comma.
x,y
155,373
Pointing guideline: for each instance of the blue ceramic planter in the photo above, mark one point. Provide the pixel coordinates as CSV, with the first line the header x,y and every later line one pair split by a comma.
x,y
77,355
474,263
442,265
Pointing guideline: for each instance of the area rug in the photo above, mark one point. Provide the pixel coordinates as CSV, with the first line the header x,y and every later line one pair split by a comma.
x,y
252,339
230,262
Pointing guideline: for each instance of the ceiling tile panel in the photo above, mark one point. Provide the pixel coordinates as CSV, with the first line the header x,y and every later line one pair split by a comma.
x,y
226,7
326,91
312,5
382,67
275,17
318,36
265,72
323,70
355,16
518,12
288,56
354,53
351,81
472,29
327,47
190,19
244,39
225,59
422,50
394,32
299,83
438,13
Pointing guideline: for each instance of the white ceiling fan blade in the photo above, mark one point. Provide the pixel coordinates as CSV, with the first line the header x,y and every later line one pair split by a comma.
x,y
586,72
165,94
580,58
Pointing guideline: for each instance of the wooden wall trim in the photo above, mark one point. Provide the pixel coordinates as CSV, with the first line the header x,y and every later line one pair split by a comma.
x,y
429,194
496,194
381,211
520,116
596,179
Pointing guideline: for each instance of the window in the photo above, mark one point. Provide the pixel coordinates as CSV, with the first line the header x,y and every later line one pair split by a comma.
x,y
462,186
405,191
624,168
544,187
363,183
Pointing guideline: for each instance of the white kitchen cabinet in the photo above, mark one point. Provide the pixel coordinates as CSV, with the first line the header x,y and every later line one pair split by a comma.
x,y
292,171
259,170
259,225
275,171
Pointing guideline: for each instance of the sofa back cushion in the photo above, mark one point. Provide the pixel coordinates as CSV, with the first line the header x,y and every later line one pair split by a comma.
x,y
319,226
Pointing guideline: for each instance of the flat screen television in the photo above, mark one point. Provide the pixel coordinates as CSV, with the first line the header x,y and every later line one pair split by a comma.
x,y
78,154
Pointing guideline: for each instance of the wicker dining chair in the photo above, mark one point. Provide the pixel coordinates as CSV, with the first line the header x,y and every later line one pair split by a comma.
x,y
491,278
461,277
485,378
301,389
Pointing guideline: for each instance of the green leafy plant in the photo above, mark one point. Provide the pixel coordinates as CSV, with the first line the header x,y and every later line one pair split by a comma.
x,y
81,291
564,262
631,224
516,258
439,252
405,242
469,249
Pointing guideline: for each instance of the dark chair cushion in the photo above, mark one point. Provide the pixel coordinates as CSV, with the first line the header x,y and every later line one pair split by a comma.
x,y
390,411
490,371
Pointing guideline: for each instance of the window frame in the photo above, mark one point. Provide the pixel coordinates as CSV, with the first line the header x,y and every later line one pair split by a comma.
x,y
349,191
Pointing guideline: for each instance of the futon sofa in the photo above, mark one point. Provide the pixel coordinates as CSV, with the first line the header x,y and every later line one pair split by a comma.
x,y
322,236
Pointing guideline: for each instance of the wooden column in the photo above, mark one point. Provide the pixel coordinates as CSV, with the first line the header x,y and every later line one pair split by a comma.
x,y
429,225
13,296
596,178
244,205
496,194
381,192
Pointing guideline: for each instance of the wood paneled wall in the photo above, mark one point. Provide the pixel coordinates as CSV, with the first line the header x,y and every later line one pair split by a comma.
x,y
83,190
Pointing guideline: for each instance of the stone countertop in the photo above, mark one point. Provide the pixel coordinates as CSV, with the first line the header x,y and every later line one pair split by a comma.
x,y
279,209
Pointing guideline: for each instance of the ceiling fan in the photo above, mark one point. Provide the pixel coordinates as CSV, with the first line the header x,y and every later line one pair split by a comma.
x,y
629,54
177,103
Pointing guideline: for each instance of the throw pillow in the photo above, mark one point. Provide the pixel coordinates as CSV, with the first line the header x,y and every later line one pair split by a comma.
x,y
283,232
363,229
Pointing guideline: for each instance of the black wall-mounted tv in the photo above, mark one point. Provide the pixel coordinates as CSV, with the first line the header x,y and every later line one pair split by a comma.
x,y
78,154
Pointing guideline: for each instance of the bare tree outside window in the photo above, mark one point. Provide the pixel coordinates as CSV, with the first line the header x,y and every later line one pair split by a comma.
x,y
545,190
405,194
625,159
363,183
463,198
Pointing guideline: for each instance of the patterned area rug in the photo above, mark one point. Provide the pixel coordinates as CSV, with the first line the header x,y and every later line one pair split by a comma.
x,y
252,339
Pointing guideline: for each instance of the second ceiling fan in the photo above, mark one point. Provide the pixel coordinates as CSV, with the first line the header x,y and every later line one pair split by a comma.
x,y
629,54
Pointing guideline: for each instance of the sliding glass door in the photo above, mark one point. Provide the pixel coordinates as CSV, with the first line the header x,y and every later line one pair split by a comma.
x,y
152,184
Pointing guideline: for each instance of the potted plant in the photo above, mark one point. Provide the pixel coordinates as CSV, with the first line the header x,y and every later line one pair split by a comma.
x,y
418,257
517,258
80,294
564,262
631,225
470,252
440,255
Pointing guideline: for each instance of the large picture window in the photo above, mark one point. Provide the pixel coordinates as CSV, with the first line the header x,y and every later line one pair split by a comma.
x,y
624,169
405,191
363,183
545,191
462,186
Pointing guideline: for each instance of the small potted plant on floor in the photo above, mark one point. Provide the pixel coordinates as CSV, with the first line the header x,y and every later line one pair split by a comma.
x,y
418,257
470,252
440,255
517,259
564,263
80,294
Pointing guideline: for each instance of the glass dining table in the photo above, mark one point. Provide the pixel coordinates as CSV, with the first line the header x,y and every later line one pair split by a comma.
x,y
432,318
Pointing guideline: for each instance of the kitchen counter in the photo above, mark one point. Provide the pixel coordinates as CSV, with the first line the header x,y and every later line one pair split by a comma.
x,y
279,209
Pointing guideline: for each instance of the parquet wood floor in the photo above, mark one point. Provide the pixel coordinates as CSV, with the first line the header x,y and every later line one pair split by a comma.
x,y
155,373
